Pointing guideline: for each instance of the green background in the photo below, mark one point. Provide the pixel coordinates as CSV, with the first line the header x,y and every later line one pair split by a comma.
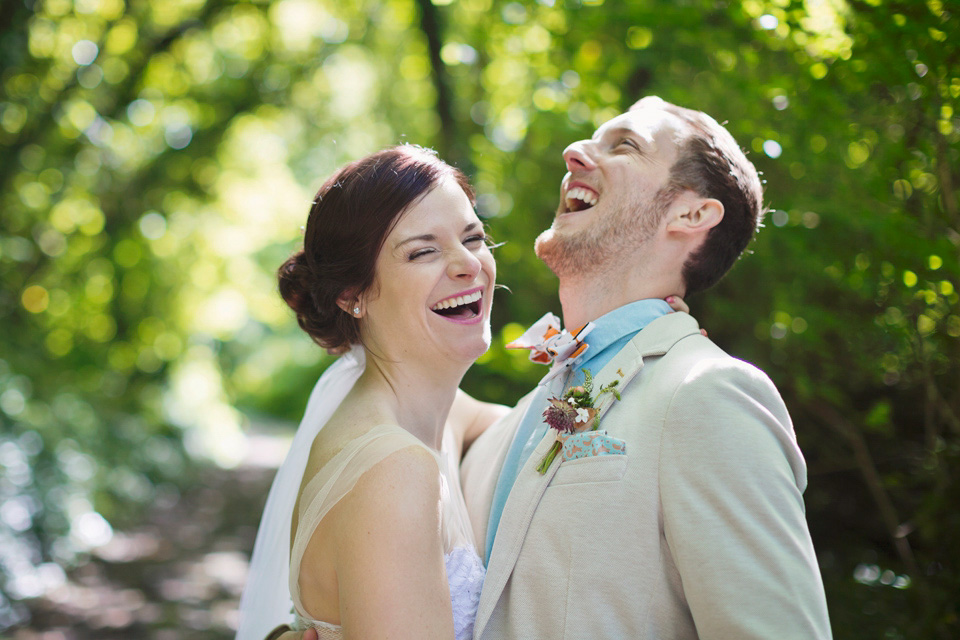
x,y
157,160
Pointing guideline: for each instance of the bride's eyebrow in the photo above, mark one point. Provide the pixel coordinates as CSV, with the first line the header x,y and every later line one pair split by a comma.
x,y
426,237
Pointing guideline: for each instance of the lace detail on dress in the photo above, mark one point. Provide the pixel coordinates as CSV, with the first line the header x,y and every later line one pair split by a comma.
x,y
465,574
325,631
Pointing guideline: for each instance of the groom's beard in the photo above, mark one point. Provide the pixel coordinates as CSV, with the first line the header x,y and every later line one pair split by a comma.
x,y
598,248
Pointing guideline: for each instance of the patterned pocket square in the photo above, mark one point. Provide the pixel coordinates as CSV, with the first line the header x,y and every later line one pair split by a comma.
x,y
585,444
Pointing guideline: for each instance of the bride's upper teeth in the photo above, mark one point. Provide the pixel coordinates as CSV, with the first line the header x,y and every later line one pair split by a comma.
x,y
584,195
456,301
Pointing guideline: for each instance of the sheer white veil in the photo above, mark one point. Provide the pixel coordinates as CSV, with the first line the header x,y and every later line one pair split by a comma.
x,y
266,599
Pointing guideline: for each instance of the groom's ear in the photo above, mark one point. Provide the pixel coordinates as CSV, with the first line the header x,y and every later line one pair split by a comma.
x,y
692,214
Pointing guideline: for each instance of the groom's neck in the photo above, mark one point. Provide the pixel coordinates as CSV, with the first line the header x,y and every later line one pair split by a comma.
x,y
586,297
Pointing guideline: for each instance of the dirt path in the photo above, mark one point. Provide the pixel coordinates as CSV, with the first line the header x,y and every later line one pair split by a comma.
x,y
178,576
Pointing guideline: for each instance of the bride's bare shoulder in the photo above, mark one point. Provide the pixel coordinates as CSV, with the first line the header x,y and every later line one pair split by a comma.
x,y
402,482
343,428
406,478
403,489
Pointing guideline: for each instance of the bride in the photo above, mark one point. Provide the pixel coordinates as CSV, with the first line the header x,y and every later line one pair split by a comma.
x,y
395,264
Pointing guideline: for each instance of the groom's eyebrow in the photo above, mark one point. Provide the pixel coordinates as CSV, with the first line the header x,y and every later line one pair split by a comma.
x,y
624,132
429,237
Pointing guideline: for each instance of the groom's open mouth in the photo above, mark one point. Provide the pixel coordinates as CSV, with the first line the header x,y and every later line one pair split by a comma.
x,y
463,306
579,199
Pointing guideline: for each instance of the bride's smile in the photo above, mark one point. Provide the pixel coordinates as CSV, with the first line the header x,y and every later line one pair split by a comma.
x,y
463,308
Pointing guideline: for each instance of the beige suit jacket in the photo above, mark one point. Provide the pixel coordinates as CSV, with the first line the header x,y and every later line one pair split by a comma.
x,y
697,532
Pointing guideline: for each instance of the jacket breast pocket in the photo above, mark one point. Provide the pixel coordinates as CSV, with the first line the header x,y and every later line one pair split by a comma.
x,y
590,470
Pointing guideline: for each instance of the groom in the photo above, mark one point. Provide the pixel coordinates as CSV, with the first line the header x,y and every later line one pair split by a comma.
x,y
687,519
697,530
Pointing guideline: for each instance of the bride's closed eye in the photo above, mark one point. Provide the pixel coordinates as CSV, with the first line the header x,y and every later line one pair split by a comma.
x,y
419,253
475,240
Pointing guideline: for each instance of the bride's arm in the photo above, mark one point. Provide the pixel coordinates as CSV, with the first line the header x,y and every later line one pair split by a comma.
x,y
388,551
388,554
470,417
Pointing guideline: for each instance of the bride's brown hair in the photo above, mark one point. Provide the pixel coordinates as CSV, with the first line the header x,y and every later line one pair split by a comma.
x,y
351,217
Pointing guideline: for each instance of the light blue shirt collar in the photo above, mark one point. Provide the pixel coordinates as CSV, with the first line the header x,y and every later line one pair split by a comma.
x,y
613,330
628,319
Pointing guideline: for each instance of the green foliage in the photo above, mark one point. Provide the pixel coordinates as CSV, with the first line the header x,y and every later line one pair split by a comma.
x,y
158,160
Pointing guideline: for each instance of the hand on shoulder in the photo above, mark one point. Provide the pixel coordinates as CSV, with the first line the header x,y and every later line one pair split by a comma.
x,y
678,304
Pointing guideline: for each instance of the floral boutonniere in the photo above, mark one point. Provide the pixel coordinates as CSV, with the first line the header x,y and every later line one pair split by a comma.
x,y
574,411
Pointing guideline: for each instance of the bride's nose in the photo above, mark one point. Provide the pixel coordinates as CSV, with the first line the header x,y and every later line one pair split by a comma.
x,y
464,265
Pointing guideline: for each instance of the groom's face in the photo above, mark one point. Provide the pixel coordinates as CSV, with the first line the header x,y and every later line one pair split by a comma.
x,y
610,198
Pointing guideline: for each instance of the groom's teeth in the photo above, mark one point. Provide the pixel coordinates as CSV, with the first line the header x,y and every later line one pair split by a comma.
x,y
583,195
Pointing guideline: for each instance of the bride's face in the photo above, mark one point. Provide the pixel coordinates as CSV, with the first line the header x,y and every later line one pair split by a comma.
x,y
434,283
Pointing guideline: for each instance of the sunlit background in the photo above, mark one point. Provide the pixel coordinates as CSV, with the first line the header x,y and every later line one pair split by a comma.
x,y
157,161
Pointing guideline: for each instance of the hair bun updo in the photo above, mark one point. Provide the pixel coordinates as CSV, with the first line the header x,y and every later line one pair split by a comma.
x,y
298,285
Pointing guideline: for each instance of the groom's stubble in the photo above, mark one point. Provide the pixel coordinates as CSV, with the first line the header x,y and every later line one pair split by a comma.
x,y
600,247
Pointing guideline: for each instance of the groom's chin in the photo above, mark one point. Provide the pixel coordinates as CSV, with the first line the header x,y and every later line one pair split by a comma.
x,y
552,251
546,245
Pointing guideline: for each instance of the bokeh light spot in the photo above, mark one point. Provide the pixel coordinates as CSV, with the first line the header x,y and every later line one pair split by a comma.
x,y
35,299
84,52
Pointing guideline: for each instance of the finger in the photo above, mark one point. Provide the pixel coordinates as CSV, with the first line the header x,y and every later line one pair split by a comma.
x,y
703,332
677,304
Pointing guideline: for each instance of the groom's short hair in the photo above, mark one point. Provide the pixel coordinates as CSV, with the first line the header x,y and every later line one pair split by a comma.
x,y
711,164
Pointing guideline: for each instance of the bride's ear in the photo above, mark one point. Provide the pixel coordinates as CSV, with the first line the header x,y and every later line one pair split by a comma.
x,y
351,303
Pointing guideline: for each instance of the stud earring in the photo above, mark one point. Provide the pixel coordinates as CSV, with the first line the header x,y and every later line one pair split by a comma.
x,y
356,311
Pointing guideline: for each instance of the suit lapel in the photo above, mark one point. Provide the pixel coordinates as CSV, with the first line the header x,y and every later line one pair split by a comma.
x,y
514,523
655,340
623,368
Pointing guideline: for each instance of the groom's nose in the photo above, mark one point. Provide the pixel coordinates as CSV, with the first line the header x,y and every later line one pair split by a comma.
x,y
577,156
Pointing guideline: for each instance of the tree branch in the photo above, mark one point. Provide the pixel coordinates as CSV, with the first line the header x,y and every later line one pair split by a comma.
x,y
430,25
861,453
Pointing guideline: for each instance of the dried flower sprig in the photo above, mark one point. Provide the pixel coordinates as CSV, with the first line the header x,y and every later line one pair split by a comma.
x,y
573,411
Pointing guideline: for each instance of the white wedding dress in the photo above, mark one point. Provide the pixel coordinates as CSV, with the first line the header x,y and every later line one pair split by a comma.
x,y
465,570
